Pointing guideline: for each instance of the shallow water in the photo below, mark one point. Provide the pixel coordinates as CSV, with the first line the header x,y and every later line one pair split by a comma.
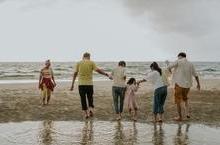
x,y
15,72
106,133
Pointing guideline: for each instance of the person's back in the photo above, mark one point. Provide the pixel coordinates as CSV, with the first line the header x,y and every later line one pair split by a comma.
x,y
85,71
118,75
183,78
119,87
183,73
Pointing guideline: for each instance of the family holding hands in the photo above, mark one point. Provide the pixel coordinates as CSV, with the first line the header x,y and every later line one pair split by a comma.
x,y
124,92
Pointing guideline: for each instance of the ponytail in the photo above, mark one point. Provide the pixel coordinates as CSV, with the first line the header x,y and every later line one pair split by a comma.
x,y
156,67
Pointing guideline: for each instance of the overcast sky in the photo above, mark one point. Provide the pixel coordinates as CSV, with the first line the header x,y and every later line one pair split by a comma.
x,y
112,30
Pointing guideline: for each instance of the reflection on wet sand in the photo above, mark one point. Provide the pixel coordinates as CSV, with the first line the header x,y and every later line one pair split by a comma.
x,y
158,135
46,133
87,133
106,133
124,136
181,137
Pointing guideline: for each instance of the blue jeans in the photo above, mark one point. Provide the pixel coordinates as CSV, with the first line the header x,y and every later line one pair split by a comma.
x,y
160,95
118,94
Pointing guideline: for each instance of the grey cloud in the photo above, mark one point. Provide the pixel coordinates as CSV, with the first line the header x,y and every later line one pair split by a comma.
x,y
189,17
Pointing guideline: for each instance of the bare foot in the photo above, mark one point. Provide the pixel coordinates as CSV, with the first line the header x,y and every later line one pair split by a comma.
x,y
135,119
118,118
153,121
160,121
86,116
91,114
177,119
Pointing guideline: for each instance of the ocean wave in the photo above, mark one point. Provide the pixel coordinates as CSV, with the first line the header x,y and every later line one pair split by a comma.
x,y
17,76
210,70
61,69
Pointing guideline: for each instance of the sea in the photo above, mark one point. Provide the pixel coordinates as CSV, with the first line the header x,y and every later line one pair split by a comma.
x,y
28,72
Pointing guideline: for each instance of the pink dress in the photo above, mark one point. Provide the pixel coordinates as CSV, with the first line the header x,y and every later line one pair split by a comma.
x,y
130,98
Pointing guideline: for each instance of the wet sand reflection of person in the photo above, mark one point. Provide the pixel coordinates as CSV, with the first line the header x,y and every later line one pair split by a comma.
x,y
158,135
46,133
125,137
87,133
182,138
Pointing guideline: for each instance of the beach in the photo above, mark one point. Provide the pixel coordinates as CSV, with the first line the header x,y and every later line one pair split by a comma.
x,y
21,102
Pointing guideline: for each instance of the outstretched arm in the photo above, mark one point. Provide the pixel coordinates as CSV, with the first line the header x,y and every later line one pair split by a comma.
x,y
174,65
73,81
141,81
101,72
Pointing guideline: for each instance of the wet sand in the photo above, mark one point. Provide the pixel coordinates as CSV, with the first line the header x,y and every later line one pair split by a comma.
x,y
21,102
106,133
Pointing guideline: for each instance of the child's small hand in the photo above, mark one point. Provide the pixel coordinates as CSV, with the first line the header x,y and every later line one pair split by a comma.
x,y
138,82
110,77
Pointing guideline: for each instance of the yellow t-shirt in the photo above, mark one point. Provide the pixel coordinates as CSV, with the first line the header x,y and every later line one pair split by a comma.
x,y
85,70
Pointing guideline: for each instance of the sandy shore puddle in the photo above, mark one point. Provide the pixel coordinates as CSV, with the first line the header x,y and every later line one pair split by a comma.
x,y
106,133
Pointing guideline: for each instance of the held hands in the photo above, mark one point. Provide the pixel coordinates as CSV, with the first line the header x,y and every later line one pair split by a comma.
x,y
110,77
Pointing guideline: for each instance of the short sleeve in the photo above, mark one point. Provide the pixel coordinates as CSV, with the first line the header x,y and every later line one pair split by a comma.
x,y
77,67
194,73
174,65
94,67
124,72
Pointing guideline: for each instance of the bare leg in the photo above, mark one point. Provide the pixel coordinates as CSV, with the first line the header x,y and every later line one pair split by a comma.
x,y
86,114
118,116
91,112
155,118
179,118
48,96
44,100
160,117
135,115
187,108
44,95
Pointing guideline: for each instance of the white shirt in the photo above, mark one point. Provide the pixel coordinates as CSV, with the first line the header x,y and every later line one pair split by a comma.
x,y
119,75
183,73
156,79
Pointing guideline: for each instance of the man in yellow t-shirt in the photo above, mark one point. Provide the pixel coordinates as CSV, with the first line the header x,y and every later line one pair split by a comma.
x,y
84,70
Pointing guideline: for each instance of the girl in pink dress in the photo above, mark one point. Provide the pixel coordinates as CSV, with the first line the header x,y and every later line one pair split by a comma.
x,y
130,98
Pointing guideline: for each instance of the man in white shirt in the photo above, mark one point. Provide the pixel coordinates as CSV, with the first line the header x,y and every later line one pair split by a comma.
x,y
119,87
183,73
